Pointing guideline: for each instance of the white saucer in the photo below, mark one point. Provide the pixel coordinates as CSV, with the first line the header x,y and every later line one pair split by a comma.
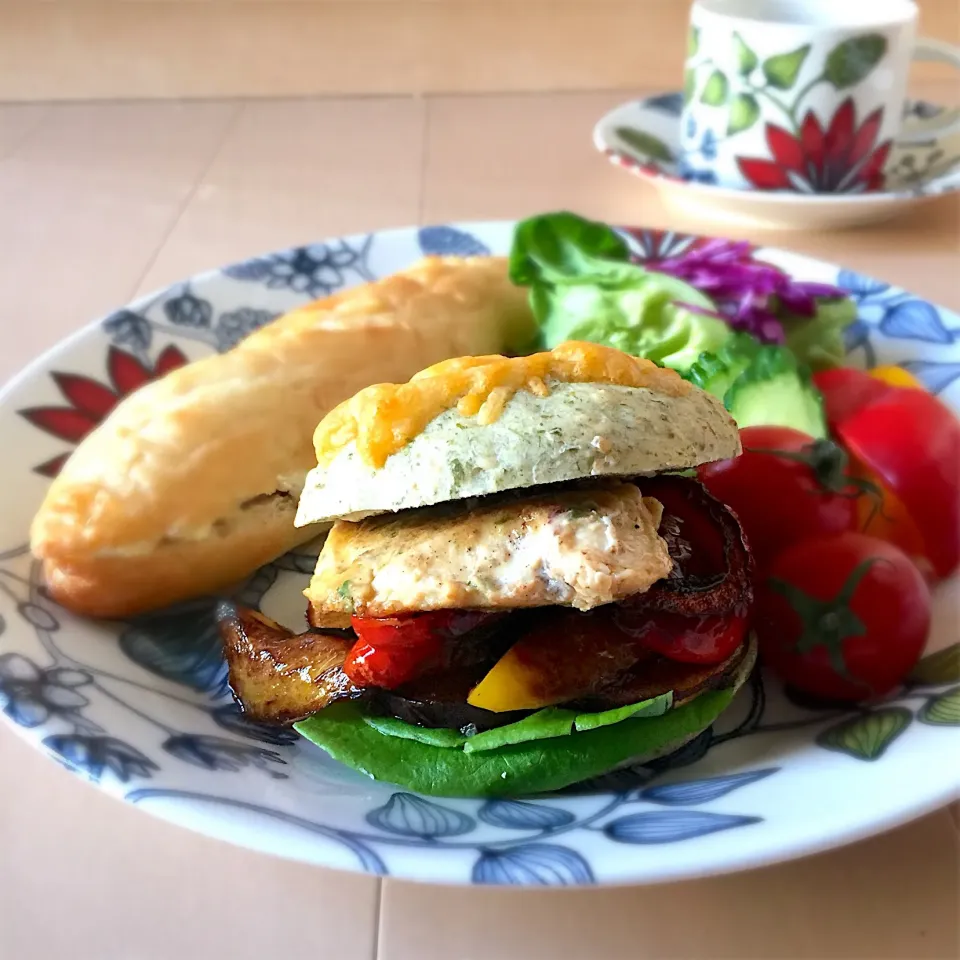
x,y
643,137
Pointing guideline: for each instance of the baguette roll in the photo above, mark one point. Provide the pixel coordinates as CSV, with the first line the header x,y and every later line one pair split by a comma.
x,y
192,482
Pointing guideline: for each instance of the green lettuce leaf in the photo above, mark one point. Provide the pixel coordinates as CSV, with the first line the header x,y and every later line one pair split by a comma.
x,y
654,707
542,725
584,287
560,246
537,766
641,317
818,341
435,736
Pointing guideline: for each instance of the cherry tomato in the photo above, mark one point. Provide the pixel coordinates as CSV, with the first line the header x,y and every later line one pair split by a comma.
x,y
911,441
845,391
709,639
392,650
888,519
844,617
785,487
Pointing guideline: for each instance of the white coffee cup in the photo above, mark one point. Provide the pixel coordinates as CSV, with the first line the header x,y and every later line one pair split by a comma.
x,y
799,95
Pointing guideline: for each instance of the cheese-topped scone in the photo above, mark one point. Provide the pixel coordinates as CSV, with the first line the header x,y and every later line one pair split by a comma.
x,y
478,425
192,482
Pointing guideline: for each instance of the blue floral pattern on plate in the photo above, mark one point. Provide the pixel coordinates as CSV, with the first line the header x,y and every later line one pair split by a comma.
x,y
143,708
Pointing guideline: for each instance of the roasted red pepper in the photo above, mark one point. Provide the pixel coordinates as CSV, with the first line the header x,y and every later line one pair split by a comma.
x,y
705,639
391,651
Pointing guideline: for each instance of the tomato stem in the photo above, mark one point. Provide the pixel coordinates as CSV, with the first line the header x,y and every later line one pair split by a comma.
x,y
828,623
828,463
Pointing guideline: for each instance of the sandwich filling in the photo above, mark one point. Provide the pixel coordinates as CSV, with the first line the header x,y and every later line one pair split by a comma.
x,y
472,616
579,548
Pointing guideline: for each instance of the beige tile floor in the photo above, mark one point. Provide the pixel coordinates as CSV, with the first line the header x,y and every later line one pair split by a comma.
x,y
100,202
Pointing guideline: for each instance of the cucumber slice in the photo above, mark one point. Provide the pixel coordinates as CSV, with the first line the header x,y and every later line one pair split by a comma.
x,y
775,390
716,372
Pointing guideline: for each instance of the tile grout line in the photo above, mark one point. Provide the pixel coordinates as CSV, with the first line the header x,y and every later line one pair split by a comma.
x,y
421,202
920,90
424,155
191,193
242,99
377,919
421,191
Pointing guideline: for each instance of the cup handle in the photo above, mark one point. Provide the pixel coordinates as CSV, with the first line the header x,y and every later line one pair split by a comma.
x,y
917,125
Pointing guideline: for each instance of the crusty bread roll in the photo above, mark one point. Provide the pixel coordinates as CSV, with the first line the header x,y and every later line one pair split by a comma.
x,y
577,430
192,482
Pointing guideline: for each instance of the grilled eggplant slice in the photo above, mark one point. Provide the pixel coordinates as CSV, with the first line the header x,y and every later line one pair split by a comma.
x,y
440,700
659,675
279,676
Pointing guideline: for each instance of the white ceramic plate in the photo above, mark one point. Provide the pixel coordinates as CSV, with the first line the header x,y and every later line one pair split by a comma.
x,y
643,137
142,709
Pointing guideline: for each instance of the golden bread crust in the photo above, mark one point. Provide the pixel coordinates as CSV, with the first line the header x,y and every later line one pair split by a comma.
x,y
160,502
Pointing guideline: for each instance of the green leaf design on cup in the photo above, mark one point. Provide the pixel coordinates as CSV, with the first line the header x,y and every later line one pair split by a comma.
x,y
942,710
783,69
940,667
746,58
716,89
693,41
867,735
645,143
744,112
849,62
689,84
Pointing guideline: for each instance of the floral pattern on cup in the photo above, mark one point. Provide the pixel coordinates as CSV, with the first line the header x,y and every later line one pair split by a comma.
x,y
835,155
844,157
643,137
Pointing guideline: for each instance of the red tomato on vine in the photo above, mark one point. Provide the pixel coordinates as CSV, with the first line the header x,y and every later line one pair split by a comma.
x,y
843,617
786,487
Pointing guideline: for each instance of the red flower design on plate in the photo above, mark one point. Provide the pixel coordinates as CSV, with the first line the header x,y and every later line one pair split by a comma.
x,y
91,401
844,158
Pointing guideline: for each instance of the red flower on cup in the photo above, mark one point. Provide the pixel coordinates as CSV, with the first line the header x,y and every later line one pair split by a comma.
x,y
844,158
91,401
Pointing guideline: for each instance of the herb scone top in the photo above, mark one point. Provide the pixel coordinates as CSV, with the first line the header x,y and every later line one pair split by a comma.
x,y
480,425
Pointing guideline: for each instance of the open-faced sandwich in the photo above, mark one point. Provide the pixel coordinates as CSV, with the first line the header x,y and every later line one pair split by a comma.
x,y
519,591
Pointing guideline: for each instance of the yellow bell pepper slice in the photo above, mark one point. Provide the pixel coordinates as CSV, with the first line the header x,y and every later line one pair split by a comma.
x,y
510,685
896,377
561,659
